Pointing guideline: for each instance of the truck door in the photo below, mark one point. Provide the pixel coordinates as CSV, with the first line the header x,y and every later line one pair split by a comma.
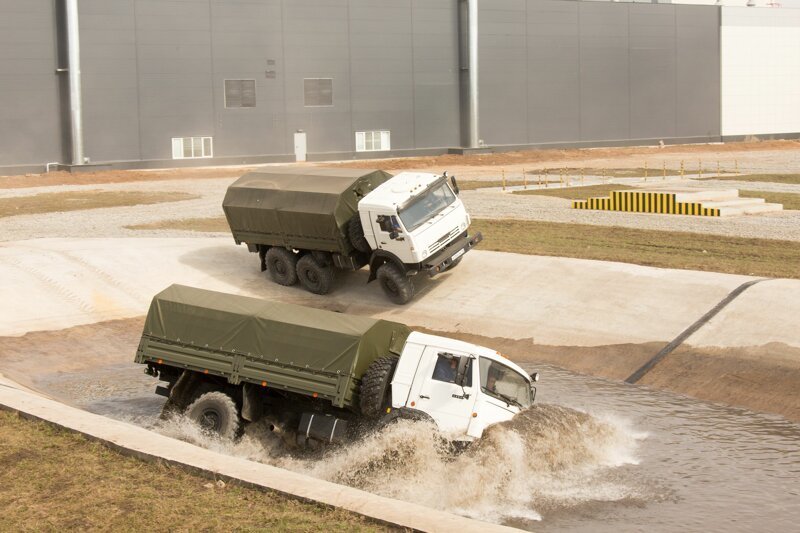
x,y
390,236
437,394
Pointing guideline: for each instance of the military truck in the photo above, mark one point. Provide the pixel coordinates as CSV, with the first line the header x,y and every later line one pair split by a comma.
x,y
227,360
306,222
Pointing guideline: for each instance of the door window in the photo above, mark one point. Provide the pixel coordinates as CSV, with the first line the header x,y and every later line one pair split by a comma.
x,y
446,368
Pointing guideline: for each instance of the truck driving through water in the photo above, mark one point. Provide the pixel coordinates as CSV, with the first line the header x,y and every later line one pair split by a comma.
x,y
228,360
306,222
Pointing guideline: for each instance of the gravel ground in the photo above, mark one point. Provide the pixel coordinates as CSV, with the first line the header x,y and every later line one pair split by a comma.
x,y
487,203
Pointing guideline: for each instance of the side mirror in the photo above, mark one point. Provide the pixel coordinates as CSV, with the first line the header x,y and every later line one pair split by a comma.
x,y
534,377
461,372
393,235
455,184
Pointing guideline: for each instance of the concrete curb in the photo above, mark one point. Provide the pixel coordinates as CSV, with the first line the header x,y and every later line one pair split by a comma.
x,y
149,446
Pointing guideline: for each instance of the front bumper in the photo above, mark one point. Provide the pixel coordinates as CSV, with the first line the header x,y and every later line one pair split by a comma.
x,y
442,260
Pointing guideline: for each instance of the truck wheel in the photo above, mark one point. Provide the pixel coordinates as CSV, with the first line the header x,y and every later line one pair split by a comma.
x,y
374,395
397,286
215,412
282,266
355,231
313,276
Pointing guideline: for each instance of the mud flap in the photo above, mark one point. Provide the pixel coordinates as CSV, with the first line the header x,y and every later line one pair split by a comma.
x,y
252,406
180,393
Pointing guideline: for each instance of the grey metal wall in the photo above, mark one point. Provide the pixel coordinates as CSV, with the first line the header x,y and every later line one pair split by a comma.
x,y
30,110
155,69
552,71
564,72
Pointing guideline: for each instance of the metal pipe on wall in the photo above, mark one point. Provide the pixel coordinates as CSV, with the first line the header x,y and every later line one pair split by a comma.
x,y
75,104
472,16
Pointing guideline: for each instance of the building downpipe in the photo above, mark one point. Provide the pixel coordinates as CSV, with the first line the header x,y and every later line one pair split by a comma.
x,y
472,39
74,72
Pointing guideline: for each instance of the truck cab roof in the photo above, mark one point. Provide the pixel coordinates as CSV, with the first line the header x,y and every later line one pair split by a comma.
x,y
397,190
466,347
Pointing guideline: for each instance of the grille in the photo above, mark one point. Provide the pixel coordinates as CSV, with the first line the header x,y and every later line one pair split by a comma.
x,y
441,243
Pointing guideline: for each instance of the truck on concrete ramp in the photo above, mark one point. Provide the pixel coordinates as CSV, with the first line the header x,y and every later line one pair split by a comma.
x,y
228,360
306,222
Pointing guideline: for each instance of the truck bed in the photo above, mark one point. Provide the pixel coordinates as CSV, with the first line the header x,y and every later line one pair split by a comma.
x,y
283,346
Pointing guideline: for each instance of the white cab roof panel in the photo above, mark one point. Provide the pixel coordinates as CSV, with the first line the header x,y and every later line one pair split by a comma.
x,y
397,190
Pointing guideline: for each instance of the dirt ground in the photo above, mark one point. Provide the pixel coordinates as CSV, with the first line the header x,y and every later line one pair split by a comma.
x,y
746,154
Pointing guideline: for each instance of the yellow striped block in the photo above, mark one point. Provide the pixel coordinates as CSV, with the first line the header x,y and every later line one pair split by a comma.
x,y
645,202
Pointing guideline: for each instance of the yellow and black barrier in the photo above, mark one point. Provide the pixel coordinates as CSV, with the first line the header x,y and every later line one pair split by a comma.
x,y
664,203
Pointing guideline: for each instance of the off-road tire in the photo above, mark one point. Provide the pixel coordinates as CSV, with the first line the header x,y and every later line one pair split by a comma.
x,y
314,277
397,286
282,266
374,394
355,232
216,412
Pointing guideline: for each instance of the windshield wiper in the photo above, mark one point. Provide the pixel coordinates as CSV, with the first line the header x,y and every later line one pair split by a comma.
x,y
508,399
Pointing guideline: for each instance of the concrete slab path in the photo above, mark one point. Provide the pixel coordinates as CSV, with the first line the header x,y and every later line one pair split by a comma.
x,y
58,283
136,441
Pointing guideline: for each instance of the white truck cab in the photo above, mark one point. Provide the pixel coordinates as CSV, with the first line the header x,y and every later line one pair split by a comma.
x,y
416,221
463,387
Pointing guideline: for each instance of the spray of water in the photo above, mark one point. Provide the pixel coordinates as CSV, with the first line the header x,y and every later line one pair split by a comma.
x,y
545,458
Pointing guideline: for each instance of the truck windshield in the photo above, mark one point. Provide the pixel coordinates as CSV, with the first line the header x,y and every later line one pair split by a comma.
x,y
505,384
427,205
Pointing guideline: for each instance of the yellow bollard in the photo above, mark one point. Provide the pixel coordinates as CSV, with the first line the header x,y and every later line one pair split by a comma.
x,y
663,170
504,179
524,180
645,171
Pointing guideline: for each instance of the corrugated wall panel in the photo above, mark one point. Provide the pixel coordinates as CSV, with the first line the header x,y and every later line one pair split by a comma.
x,y
554,95
598,72
436,75
698,83
109,76
176,97
30,113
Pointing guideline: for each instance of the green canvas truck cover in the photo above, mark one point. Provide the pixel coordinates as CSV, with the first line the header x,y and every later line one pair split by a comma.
x,y
301,341
304,208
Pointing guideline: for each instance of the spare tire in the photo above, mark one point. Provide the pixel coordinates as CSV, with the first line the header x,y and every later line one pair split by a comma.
x,y
375,389
355,232
216,412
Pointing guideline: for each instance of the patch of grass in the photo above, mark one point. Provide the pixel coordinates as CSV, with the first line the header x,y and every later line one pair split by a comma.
x,y
791,179
577,193
55,480
666,249
788,199
53,202
209,225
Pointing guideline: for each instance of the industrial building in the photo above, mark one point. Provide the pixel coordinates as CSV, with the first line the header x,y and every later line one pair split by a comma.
x,y
154,83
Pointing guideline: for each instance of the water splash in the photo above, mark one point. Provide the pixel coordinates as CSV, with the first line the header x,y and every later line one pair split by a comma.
x,y
546,458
